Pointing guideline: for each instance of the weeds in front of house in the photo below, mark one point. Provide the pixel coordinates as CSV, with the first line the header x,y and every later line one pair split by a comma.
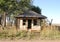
x,y
12,33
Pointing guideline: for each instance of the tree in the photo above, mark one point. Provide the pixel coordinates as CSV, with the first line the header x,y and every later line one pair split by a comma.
x,y
13,7
7,6
3,8
36,9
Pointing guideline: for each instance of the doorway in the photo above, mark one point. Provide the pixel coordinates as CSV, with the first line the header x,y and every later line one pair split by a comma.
x,y
29,23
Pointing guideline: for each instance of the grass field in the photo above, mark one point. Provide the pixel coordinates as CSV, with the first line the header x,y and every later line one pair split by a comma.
x,y
45,34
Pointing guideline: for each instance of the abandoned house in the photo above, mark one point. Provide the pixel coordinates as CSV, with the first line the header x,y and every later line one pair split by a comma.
x,y
29,20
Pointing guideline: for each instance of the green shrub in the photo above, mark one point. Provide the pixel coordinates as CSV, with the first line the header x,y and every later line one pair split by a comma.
x,y
21,34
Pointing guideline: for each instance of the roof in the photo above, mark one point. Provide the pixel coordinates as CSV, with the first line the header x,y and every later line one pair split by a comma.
x,y
30,14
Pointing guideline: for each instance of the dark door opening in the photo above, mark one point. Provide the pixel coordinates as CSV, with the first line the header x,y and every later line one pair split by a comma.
x,y
29,24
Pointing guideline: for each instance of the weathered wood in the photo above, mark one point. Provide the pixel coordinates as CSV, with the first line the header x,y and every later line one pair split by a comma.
x,y
18,23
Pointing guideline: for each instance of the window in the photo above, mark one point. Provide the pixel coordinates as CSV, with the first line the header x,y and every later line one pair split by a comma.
x,y
35,22
24,22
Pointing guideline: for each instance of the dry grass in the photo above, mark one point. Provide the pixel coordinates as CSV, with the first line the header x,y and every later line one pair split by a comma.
x,y
46,33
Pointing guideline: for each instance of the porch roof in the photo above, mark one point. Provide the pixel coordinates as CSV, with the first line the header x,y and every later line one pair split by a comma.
x,y
31,14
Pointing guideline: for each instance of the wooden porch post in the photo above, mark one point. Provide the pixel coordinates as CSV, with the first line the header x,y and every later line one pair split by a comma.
x,y
26,24
17,23
21,22
32,24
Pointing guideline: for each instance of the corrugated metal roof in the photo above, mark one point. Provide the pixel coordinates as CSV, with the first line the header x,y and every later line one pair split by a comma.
x,y
31,14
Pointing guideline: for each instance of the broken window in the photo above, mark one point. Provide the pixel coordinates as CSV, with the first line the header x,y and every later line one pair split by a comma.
x,y
35,22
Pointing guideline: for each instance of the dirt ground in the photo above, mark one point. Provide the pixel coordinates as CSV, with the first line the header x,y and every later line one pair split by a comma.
x,y
29,40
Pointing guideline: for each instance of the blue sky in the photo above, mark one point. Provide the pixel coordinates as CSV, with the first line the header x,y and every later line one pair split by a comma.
x,y
50,8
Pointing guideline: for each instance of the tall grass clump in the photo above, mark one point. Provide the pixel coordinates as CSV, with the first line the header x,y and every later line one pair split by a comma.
x,y
50,34
3,34
21,34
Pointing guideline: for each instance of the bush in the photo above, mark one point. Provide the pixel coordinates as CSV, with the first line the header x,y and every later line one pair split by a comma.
x,y
21,34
